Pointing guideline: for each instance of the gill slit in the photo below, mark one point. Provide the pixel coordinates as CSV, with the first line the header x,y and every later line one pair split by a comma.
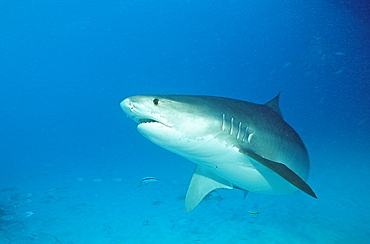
x,y
231,126
250,137
239,129
223,122
245,134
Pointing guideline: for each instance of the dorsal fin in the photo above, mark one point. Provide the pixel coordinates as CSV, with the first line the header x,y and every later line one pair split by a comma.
x,y
274,104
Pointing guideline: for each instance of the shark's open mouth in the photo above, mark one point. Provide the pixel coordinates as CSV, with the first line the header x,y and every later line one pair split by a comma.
x,y
142,121
142,114
147,121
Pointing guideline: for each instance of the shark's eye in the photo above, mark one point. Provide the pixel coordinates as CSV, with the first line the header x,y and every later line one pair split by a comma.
x,y
156,101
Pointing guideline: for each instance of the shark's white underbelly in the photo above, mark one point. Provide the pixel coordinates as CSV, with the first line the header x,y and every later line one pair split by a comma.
x,y
224,160
240,170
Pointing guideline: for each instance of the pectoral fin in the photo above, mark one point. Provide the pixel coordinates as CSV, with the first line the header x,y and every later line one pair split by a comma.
x,y
283,171
203,182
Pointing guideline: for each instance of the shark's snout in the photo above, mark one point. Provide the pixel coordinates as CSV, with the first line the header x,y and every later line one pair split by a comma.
x,y
127,104
140,111
128,108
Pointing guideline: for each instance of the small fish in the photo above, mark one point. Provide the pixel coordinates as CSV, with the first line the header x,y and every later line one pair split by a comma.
x,y
28,214
148,180
338,72
157,203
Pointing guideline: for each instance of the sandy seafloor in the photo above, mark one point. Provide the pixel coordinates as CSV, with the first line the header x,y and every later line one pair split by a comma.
x,y
62,205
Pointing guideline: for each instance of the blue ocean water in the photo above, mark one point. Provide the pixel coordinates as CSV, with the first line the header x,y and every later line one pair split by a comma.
x,y
71,161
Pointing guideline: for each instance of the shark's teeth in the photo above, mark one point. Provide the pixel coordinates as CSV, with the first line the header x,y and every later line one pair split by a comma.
x,y
141,121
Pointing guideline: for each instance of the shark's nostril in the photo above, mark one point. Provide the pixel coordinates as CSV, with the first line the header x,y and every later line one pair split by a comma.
x,y
130,105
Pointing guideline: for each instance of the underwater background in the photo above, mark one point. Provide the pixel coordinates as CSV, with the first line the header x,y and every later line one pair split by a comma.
x,y
71,161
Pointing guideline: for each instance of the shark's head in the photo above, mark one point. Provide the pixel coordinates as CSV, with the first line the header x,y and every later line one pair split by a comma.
x,y
170,121
147,111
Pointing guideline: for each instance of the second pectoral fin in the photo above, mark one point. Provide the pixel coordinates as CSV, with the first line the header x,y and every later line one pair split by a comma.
x,y
282,170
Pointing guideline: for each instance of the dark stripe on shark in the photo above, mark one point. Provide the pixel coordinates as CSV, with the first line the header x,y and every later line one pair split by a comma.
x,y
283,171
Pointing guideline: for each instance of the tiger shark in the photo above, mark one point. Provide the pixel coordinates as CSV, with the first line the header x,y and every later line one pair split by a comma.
x,y
234,143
